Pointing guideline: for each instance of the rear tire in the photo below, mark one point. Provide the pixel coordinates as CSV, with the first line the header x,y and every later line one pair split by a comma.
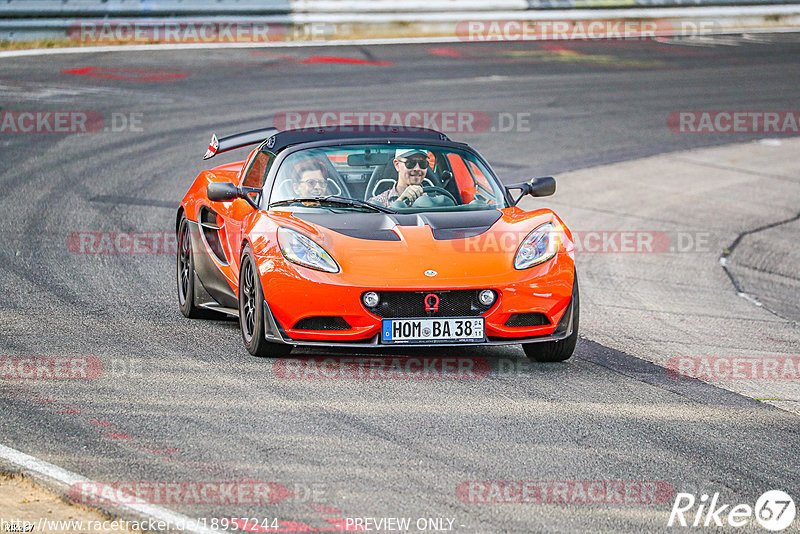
x,y
251,311
185,276
561,350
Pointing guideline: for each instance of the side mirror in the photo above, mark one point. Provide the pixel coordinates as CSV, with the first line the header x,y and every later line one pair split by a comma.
x,y
222,192
543,186
226,191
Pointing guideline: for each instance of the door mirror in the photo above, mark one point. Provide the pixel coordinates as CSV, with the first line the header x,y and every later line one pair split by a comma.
x,y
543,186
222,192
226,191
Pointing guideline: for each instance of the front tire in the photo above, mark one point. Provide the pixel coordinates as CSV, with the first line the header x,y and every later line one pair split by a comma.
x,y
251,311
561,350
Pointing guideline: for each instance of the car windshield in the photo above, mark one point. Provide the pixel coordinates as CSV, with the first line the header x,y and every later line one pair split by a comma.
x,y
375,178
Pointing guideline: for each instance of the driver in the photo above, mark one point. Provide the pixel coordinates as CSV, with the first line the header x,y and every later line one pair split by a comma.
x,y
412,166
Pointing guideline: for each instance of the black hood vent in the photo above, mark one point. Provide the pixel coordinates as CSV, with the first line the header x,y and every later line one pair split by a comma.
x,y
378,226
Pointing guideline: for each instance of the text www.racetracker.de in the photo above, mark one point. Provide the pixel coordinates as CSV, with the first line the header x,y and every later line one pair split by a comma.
x,y
146,525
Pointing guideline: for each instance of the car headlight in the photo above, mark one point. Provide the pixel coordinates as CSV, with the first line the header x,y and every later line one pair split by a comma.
x,y
539,246
302,250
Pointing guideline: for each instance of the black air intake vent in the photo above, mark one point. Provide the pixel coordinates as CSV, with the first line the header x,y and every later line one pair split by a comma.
x,y
210,230
322,323
527,319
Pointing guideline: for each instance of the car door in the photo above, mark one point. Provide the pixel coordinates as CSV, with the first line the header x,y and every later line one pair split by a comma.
x,y
231,214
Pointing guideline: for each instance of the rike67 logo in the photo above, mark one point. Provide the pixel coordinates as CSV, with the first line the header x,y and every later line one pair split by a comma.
x,y
774,510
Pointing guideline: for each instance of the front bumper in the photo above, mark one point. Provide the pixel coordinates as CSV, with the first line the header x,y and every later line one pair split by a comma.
x,y
276,334
545,289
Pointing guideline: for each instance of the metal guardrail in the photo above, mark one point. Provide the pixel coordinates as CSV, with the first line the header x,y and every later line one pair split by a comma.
x,y
136,8
166,8
169,8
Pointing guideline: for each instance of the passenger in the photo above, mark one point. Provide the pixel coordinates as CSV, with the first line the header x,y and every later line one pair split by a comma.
x,y
310,179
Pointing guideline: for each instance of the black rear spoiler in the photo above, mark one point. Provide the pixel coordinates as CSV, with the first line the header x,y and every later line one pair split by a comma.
x,y
232,142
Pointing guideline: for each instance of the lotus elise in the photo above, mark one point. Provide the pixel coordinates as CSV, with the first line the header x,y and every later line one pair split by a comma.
x,y
374,237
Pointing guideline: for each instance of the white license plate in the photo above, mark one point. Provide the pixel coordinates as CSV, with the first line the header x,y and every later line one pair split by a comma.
x,y
433,330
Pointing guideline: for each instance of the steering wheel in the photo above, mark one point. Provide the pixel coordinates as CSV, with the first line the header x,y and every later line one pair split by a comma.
x,y
441,191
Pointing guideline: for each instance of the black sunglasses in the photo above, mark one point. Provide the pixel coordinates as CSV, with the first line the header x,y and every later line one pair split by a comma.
x,y
411,163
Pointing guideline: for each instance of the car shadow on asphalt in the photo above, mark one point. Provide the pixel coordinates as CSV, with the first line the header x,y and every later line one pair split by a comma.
x,y
498,362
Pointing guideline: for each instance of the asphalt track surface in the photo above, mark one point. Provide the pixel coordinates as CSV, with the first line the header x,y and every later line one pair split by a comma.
x,y
182,401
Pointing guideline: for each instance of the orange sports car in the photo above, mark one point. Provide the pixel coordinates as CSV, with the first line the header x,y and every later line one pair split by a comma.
x,y
371,237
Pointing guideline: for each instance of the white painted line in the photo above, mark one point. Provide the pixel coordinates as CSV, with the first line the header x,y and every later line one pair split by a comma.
x,y
749,298
213,46
40,468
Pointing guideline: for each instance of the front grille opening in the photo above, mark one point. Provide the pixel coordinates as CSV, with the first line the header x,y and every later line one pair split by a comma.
x,y
517,320
455,303
322,323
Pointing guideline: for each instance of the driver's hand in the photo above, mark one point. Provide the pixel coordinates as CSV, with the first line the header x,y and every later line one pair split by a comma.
x,y
411,194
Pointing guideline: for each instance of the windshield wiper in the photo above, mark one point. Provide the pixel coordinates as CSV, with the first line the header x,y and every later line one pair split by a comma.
x,y
334,199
